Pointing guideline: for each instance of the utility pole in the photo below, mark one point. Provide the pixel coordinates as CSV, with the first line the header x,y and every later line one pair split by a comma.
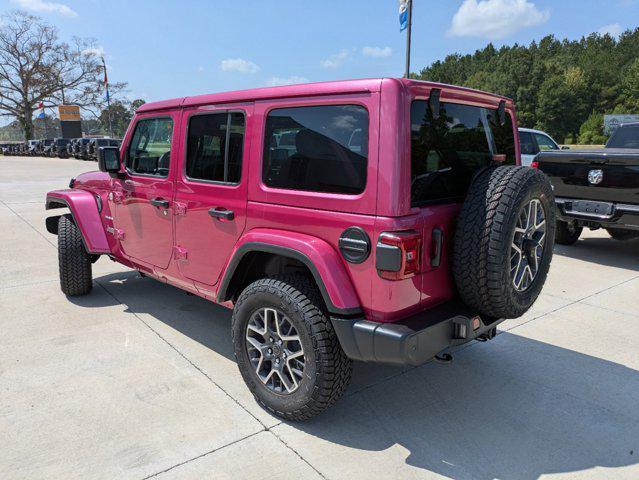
x,y
410,21
106,86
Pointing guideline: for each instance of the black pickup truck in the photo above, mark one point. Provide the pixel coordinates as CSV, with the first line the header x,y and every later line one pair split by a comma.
x,y
596,188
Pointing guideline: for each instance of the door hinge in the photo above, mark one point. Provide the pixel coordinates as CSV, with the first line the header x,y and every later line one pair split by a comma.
x,y
179,253
116,197
116,232
179,208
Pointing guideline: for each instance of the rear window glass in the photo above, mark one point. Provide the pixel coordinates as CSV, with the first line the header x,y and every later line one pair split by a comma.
x,y
319,149
625,137
447,151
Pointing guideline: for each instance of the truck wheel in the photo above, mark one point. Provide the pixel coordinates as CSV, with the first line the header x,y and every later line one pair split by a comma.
x,y
567,233
504,240
622,235
286,348
73,259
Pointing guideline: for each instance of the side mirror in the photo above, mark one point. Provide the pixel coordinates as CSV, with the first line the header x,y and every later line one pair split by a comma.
x,y
501,113
109,159
565,147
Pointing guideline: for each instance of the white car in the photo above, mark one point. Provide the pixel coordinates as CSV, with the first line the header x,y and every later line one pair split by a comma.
x,y
532,142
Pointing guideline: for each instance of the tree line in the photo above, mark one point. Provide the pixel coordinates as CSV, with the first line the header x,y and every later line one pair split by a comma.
x,y
561,86
38,68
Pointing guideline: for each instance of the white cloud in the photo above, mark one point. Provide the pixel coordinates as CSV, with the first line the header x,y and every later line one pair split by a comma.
x,y
275,81
46,7
335,60
495,19
614,30
377,52
239,65
97,51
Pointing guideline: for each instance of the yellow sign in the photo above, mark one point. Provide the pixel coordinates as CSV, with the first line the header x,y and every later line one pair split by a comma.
x,y
69,113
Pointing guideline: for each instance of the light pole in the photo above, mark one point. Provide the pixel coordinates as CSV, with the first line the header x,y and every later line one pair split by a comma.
x,y
106,86
408,31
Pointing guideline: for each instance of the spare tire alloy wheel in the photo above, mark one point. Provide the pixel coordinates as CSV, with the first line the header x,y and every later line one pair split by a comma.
x,y
528,245
275,350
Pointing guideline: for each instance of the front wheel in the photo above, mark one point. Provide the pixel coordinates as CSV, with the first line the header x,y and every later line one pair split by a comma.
x,y
567,233
286,348
74,262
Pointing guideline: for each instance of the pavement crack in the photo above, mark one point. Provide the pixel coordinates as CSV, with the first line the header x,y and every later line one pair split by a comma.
x,y
203,455
193,364
27,222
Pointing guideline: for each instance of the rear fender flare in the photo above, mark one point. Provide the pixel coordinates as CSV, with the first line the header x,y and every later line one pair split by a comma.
x,y
84,209
321,259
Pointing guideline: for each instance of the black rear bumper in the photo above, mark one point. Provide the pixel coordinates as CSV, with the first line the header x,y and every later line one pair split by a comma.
x,y
415,340
625,216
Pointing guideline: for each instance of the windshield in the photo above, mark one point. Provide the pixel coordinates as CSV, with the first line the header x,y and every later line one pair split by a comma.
x,y
625,137
447,151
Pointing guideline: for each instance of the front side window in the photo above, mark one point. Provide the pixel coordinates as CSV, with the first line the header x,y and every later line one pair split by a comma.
x,y
447,151
149,152
545,142
215,145
318,149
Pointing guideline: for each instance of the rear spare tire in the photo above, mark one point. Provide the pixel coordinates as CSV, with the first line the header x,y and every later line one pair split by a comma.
x,y
73,260
504,240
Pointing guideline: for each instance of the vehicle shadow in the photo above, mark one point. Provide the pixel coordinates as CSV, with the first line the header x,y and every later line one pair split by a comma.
x,y
604,251
514,407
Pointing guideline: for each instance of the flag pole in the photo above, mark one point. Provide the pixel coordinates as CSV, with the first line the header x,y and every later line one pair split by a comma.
x,y
408,31
106,86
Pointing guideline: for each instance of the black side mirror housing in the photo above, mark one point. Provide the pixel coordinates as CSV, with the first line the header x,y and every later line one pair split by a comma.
x,y
501,113
109,160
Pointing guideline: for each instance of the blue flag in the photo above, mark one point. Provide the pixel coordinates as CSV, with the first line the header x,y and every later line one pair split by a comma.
x,y
403,15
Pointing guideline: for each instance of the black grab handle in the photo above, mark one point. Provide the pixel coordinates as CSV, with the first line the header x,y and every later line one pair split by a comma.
x,y
219,212
160,202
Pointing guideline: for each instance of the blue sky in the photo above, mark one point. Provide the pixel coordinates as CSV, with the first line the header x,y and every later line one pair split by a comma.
x,y
166,48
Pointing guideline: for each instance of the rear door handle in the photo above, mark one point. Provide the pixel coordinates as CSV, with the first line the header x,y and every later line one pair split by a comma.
x,y
160,202
220,212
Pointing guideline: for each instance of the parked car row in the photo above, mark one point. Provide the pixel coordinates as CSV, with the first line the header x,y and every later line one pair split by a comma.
x,y
80,148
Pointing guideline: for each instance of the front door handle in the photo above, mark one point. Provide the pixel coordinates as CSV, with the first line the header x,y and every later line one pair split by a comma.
x,y
222,213
160,202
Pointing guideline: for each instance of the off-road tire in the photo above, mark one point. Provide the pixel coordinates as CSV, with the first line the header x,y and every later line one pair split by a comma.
x,y
327,370
484,235
567,233
622,235
73,260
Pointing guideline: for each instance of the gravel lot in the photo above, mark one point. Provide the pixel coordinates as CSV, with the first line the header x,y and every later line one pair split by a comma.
x,y
137,379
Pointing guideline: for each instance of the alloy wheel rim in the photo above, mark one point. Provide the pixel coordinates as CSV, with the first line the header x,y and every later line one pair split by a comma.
x,y
275,350
527,246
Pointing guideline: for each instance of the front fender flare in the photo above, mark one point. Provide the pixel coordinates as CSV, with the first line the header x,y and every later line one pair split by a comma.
x,y
84,208
321,259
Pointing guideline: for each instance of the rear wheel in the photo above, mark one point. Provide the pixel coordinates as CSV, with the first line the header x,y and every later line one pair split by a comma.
x,y
286,348
73,260
567,233
622,235
504,240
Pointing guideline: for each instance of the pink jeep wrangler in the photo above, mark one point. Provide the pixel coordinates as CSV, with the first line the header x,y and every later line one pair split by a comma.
x,y
377,220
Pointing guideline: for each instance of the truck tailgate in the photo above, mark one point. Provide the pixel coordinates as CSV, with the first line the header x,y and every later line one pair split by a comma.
x,y
569,170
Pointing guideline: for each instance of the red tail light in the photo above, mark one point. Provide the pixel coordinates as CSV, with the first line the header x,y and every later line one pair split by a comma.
x,y
398,254
534,164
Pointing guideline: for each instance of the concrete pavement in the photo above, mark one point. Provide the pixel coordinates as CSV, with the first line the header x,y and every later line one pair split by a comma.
x,y
137,379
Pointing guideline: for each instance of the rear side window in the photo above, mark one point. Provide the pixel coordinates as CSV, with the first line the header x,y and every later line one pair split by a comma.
x,y
150,148
214,150
447,151
526,143
318,149
625,137
545,142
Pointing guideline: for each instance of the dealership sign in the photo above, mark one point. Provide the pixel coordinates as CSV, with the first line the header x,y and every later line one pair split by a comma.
x,y
612,122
